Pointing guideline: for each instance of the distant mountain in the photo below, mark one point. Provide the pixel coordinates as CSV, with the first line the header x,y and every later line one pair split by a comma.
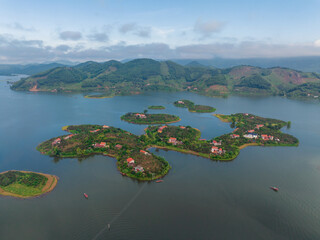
x,y
307,64
194,64
141,75
9,69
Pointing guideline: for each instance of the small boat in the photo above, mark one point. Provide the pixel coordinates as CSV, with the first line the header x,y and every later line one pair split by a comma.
x,y
159,181
274,189
86,195
109,227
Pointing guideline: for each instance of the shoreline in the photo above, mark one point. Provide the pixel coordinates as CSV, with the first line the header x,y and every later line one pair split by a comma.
x,y
220,118
48,187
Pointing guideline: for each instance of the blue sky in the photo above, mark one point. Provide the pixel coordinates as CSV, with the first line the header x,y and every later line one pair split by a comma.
x,y
39,31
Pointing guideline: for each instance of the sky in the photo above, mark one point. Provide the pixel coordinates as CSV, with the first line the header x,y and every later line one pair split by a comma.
x,y
37,31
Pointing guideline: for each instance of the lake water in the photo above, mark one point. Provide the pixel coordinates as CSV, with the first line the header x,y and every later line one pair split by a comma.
x,y
199,198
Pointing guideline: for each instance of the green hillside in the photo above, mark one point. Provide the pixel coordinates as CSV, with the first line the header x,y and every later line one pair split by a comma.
x,y
141,75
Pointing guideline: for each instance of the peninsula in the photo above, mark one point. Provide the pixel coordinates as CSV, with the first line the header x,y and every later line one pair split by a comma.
x,y
134,159
24,184
144,118
194,108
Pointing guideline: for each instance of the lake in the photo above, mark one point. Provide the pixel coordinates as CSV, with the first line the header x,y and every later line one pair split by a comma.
x,y
199,198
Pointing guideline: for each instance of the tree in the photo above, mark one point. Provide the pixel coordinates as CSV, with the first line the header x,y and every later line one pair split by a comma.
x,y
145,111
289,124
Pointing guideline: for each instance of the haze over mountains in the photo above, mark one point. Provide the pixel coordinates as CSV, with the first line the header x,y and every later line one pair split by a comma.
x,y
306,64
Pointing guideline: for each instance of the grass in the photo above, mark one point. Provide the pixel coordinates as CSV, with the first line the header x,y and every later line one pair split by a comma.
x,y
23,190
157,107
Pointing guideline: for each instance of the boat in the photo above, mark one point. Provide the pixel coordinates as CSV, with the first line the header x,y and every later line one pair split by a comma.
x,y
274,189
86,195
159,181
123,174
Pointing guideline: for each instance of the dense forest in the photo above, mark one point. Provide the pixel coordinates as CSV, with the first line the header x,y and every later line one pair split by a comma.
x,y
143,75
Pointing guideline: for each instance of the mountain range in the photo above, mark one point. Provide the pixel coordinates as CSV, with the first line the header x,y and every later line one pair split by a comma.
x,y
141,75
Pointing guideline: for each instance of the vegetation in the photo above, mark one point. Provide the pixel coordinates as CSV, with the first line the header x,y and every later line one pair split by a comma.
x,y
144,118
85,140
194,108
253,130
156,107
25,184
114,78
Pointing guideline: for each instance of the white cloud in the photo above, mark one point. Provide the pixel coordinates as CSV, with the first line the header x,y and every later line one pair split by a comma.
x,y
317,43
19,51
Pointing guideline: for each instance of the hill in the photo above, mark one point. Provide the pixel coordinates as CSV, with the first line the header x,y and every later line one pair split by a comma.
x,y
141,75
9,69
306,64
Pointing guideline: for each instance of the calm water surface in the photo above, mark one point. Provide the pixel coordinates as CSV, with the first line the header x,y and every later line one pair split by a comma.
x,y
199,198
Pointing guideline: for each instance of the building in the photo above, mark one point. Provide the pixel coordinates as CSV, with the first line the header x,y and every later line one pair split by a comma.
x,y
267,137
118,146
172,140
93,131
100,145
258,126
251,131
216,150
56,141
181,102
69,136
144,152
235,136
182,127
251,135
140,115
130,162
105,126
138,169
215,143
160,129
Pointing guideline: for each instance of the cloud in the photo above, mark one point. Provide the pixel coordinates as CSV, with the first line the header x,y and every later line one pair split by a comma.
x,y
63,48
137,30
70,35
27,51
125,28
20,27
99,37
206,29
144,32
317,43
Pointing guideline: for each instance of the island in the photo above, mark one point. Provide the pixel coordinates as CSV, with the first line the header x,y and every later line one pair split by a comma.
x,y
157,107
133,158
144,118
194,108
135,161
24,184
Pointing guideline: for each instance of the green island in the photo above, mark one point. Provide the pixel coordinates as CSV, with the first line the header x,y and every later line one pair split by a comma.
x,y
113,78
157,107
144,118
135,161
194,108
24,184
